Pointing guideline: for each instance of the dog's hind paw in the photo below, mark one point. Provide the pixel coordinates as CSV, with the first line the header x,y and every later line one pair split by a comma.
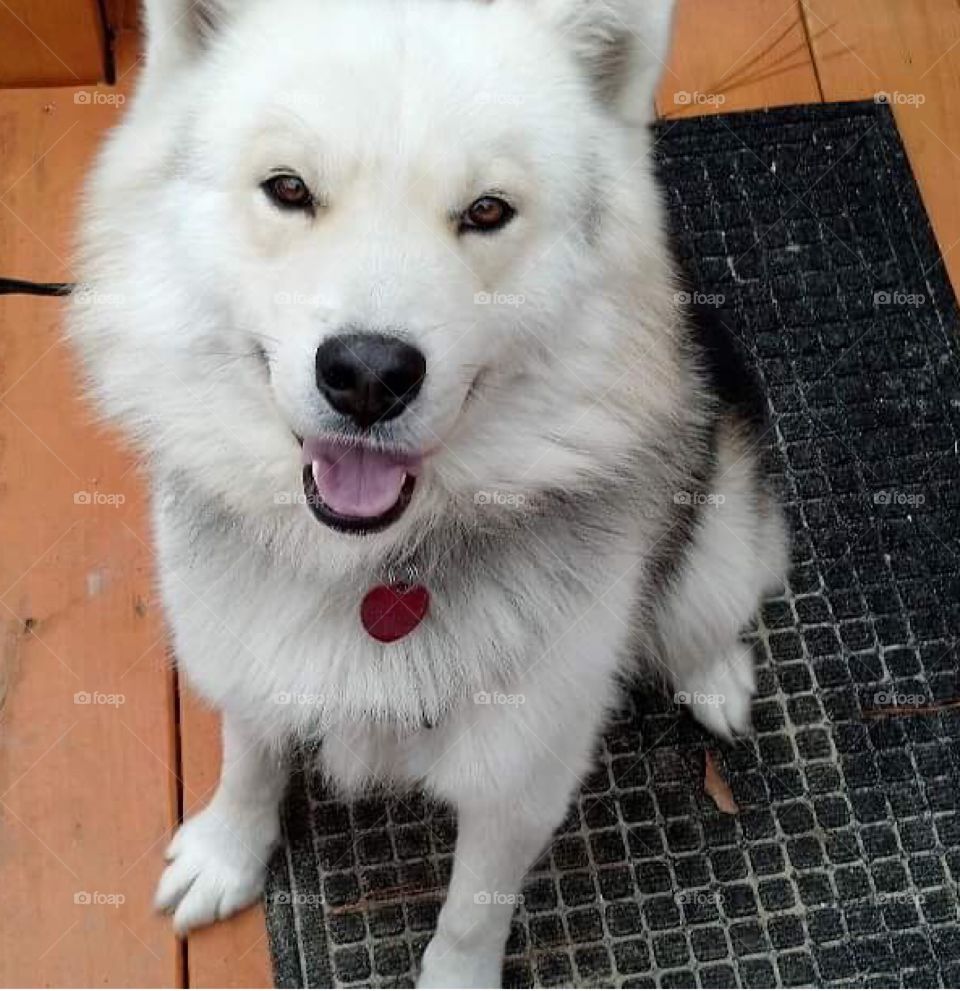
x,y
217,866
720,697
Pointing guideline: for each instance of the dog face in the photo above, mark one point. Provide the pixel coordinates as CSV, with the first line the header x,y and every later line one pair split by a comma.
x,y
376,230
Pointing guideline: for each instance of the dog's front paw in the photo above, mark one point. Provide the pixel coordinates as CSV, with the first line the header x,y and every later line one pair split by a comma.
x,y
720,696
449,965
218,863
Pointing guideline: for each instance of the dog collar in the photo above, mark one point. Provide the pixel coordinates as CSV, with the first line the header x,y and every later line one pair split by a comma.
x,y
392,611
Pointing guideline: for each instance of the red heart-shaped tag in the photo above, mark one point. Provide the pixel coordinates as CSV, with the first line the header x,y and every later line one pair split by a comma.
x,y
390,612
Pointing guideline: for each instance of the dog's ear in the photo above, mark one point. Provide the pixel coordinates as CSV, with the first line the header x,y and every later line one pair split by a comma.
x,y
178,30
622,44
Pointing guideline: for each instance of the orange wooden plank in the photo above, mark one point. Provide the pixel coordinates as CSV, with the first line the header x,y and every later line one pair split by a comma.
x,y
123,14
738,55
121,792
234,953
912,52
87,795
51,43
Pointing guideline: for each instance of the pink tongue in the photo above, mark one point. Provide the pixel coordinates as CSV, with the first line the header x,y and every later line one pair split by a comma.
x,y
355,481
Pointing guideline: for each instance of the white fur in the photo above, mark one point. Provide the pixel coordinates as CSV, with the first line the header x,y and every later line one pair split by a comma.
x,y
399,113
738,556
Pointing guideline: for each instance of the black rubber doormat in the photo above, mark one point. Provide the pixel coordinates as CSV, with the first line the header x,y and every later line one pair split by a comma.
x,y
805,226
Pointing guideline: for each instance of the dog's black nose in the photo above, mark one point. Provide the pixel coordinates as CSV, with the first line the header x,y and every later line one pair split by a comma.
x,y
369,377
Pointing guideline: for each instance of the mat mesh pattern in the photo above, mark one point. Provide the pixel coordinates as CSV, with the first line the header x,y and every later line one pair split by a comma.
x,y
841,868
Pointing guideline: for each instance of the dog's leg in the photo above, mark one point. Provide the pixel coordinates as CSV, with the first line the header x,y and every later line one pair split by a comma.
x,y
511,771
218,859
738,554
496,844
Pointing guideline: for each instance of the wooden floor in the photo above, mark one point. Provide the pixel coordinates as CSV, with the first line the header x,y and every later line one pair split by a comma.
x,y
98,753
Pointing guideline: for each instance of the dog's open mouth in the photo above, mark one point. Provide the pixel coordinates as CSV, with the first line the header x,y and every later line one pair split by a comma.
x,y
354,488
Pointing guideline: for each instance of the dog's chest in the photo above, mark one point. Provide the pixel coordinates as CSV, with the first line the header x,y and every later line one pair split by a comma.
x,y
295,650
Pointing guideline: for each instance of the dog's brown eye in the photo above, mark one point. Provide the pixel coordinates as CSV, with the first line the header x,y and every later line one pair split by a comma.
x,y
489,213
289,192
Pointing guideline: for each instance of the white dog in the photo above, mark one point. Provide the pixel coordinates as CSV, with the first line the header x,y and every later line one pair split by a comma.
x,y
393,320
